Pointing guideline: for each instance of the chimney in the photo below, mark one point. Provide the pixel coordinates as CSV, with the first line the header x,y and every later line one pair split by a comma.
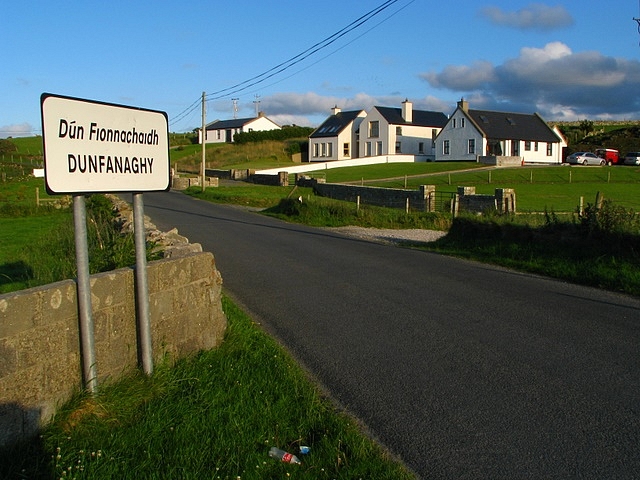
x,y
463,105
407,111
335,110
260,114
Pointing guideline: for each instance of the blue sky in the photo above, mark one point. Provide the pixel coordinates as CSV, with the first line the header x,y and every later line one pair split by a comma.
x,y
567,60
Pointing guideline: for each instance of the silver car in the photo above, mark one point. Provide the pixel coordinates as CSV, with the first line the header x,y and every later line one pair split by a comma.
x,y
585,158
632,158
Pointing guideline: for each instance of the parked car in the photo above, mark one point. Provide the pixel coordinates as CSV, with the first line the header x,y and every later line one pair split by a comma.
x,y
585,158
632,158
611,156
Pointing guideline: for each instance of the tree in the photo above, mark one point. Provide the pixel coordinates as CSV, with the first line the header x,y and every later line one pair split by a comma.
x,y
586,126
7,146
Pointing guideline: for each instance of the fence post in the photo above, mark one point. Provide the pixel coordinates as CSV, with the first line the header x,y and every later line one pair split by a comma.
x,y
407,206
358,203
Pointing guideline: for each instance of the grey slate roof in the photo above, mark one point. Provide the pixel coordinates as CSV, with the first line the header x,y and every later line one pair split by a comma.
x,y
335,124
421,118
233,123
520,126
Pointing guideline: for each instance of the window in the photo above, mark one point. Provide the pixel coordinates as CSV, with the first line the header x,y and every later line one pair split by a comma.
x,y
398,147
420,147
374,129
535,146
462,122
527,146
345,150
316,150
324,150
218,134
454,123
445,147
368,150
399,131
549,149
515,148
329,149
378,148
472,146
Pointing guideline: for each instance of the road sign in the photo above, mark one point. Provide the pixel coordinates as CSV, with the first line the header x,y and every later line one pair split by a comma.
x,y
92,147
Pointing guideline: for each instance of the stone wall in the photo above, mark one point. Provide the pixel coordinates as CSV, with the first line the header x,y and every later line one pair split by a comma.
x,y
502,201
382,197
40,358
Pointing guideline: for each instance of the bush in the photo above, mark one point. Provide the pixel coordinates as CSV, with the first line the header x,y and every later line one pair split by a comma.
x,y
7,146
282,134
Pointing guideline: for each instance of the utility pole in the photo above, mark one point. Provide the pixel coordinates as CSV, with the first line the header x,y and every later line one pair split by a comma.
x,y
257,104
637,20
235,107
204,138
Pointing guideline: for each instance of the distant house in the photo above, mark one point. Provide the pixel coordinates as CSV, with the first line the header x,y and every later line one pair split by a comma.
x,y
221,131
391,131
337,137
498,138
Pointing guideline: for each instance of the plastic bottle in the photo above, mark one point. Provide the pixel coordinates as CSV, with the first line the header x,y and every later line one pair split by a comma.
x,y
286,457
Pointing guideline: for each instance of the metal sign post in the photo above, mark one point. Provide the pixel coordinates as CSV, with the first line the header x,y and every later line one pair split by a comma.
x,y
97,147
88,351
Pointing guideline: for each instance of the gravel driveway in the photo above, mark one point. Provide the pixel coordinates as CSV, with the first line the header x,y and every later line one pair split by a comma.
x,y
390,237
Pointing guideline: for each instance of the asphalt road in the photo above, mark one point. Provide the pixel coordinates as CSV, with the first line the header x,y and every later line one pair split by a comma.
x,y
461,369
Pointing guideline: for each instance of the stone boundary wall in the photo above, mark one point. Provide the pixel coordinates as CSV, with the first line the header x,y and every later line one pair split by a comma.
x,y
382,197
423,199
503,200
40,358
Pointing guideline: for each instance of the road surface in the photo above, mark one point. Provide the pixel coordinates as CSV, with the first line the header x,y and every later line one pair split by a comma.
x,y
462,369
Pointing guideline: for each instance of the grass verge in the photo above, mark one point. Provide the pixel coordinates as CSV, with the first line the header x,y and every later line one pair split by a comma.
x,y
214,415
577,250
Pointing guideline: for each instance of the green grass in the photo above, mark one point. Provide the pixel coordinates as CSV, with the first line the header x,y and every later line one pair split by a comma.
x,y
326,212
393,170
213,415
557,188
27,254
248,195
599,249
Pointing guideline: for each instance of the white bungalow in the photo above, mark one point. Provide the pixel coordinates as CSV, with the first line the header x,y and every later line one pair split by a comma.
x,y
221,131
498,138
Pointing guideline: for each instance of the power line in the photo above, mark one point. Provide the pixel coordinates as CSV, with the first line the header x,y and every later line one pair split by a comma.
x,y
306,53
281,67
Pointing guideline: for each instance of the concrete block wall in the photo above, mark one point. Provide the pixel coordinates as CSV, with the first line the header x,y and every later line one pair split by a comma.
x,y
39,340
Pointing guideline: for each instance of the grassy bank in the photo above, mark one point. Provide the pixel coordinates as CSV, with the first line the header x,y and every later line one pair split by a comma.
x,y
600,249
214,415
37,243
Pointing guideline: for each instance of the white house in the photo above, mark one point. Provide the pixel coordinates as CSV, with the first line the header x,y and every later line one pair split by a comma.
x,y
389,131
220,131
515,137
337,137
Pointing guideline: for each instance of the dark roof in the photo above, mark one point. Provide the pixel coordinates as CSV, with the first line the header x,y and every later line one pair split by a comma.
x,y
224,124
335,124
421,118
521,126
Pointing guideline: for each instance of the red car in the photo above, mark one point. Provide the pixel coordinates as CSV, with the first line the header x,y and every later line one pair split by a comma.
x,y
611,156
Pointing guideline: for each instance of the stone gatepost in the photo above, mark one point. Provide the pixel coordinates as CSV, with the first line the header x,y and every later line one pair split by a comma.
x,y
428,193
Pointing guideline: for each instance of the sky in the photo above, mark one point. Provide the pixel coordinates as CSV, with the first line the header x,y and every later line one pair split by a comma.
x,y
295,59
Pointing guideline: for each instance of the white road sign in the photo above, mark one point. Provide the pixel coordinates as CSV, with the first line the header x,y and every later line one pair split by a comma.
x,y
92,147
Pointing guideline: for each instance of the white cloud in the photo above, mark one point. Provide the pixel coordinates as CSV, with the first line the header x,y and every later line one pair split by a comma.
x,y
551,80
16,130
535,16
311,109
